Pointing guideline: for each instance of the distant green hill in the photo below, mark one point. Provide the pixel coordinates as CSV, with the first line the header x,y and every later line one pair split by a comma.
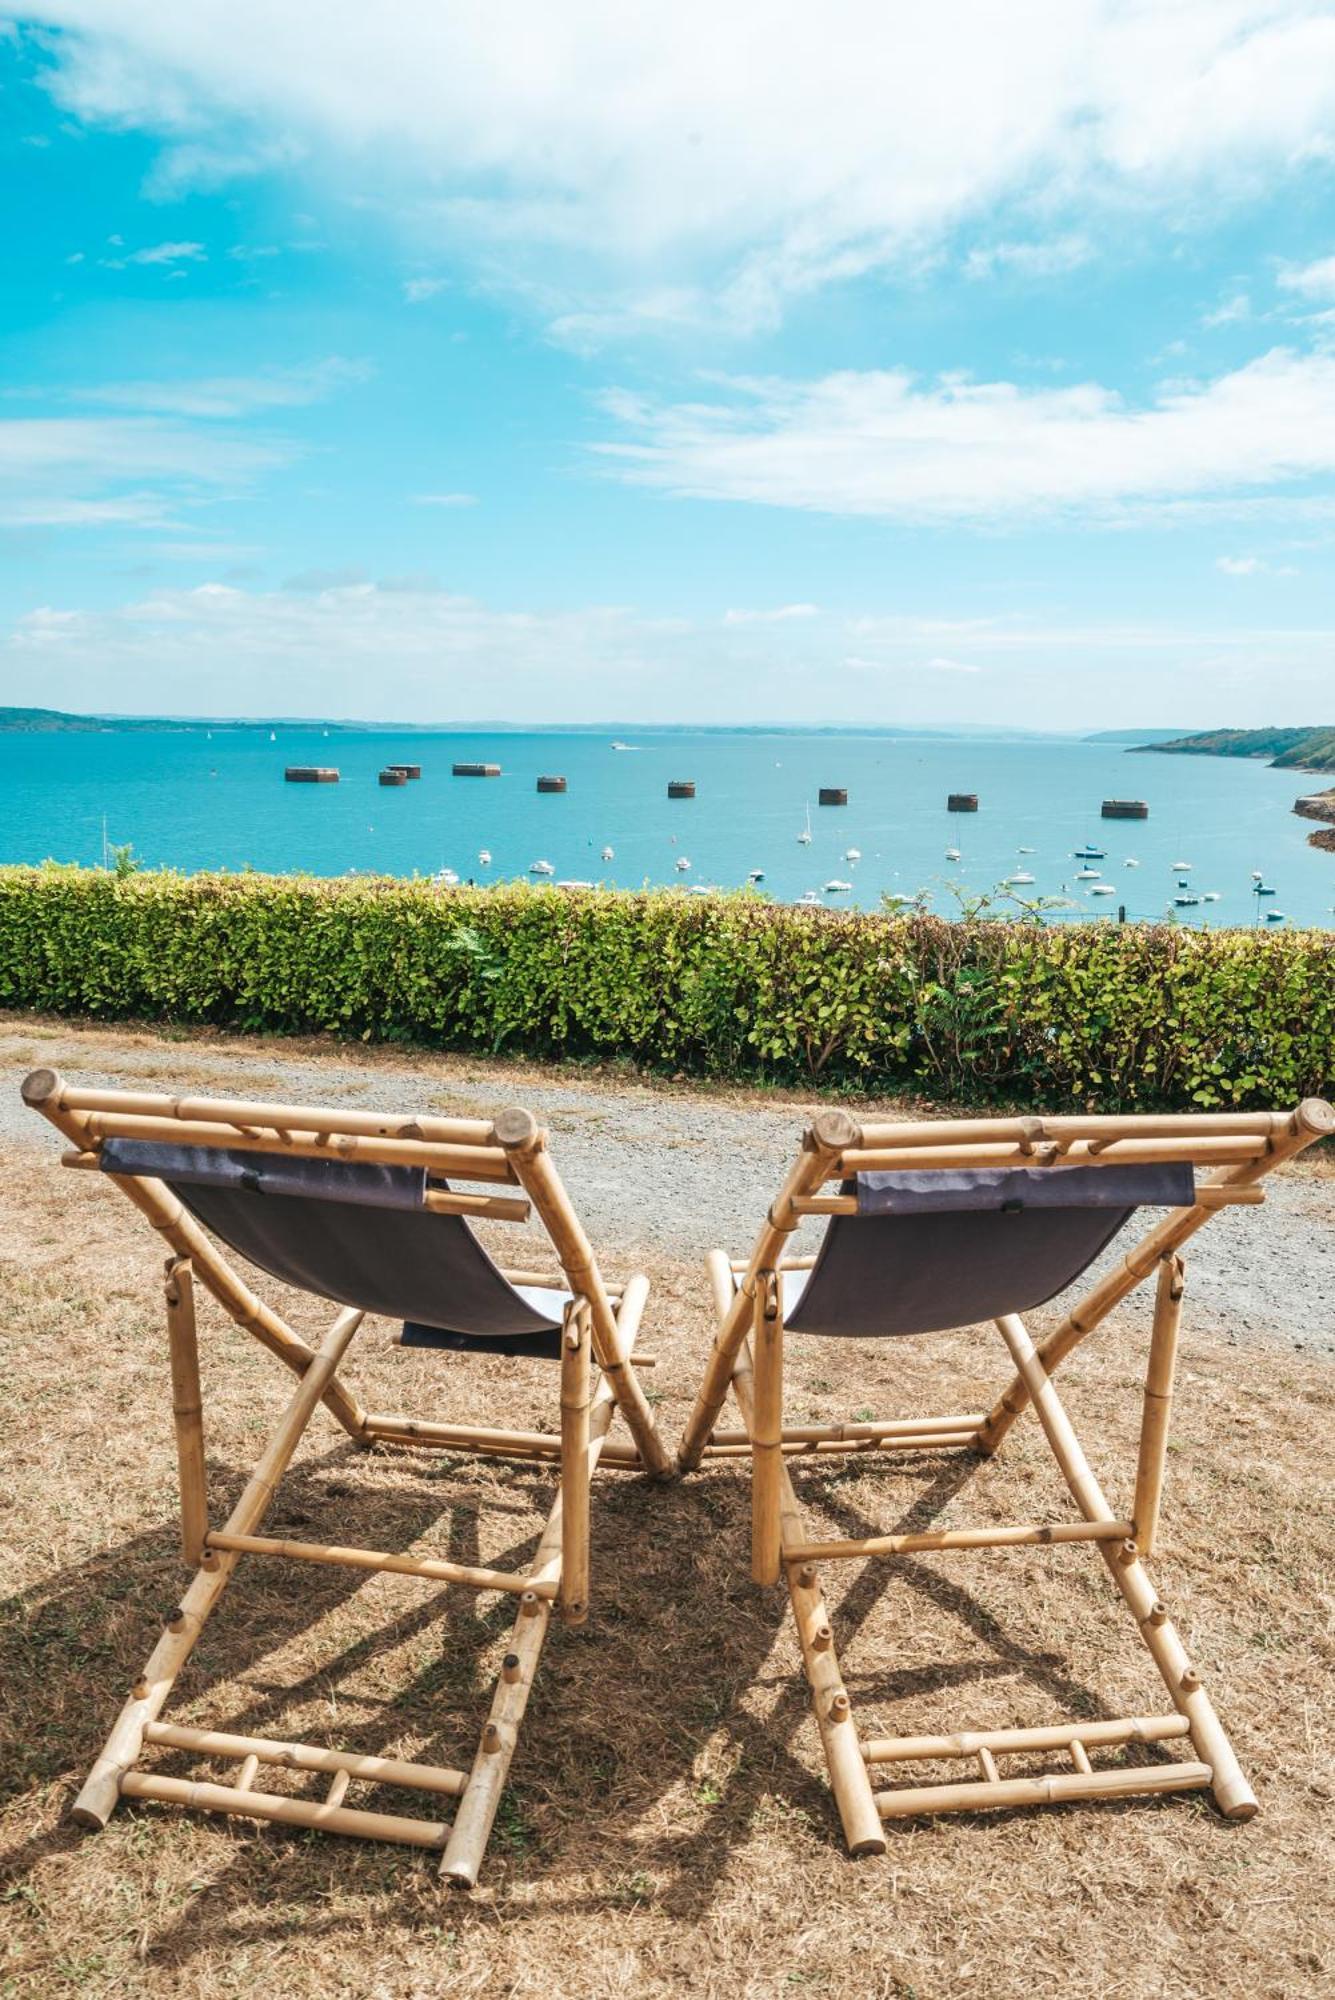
x,y
1289,749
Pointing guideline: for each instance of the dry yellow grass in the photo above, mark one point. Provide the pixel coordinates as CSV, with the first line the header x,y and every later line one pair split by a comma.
x,y
669,1828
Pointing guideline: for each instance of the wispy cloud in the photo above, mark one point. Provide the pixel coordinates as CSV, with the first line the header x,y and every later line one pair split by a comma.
x,y
1230,311
338,643
234,395
779,616
417,290
662,140
1252,566
1037,259
1312,281
889,444
445,499
159,253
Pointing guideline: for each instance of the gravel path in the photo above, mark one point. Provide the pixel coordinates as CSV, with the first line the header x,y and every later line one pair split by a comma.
x,y
663,1171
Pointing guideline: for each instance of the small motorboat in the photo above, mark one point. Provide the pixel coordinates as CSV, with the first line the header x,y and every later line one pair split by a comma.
x,y
1087,875
681,864
1274,916
1026,850
1263,889
1021,879
852,854
541,868
484,857
1258,874
447,878
834,887
1181,867
808,897
952,854
1103,889
756,875
1187,902
1088,853
572,883
608,854
1131,862
1210,896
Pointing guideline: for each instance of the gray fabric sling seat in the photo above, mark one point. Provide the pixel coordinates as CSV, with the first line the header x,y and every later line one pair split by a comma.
x,y
356,1234
930,1250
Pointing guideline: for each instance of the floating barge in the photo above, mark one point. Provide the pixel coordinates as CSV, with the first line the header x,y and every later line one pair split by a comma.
x,y
551,784
832,795
961,802
408,770
681,788
394,774
311,774
475,770
1125,809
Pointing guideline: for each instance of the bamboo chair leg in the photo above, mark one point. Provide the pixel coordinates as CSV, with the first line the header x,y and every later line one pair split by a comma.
x,y
850,1779
1158,1402
575,1348
97,1800
476,1813
1233,1794
187,1409
767,1431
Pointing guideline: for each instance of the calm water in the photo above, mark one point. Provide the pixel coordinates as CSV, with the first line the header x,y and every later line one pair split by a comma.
x,y
192,801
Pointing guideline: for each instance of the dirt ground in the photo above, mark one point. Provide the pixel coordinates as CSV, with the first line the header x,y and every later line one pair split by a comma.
x,y
668,1829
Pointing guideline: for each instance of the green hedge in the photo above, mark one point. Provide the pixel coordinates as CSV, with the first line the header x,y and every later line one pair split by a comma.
x,y
1131,1016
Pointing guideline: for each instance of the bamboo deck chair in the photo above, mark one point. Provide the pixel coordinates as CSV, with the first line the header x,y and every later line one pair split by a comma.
x,y
350,1205
948,1224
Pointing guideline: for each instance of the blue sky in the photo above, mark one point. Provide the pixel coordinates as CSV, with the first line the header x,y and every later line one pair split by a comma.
x,y
900,365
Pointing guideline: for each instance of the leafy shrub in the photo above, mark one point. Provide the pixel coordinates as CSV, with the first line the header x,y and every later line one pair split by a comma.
x,y
1134,1016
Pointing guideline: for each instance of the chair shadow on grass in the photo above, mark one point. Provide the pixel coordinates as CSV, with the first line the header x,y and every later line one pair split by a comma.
x,y
622,1710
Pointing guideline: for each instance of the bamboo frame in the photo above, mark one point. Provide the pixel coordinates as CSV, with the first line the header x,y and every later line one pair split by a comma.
x,y
1241,1149
599,1326
187,1408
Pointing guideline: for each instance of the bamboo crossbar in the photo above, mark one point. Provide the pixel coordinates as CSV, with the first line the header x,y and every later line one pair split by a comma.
x,y
315,1813
1014,1742
1208,1152
304,1117
901,1427
1066,1127
434,1568
1206,1197
543,1445
924,1441
1058,1789
308,1757
474,1163
1023,1534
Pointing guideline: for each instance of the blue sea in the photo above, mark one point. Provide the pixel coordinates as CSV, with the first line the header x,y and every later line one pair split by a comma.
x,y
190,799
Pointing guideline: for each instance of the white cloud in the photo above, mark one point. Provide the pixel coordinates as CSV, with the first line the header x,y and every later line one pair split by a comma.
x,y
887,444
777,617
740,153
1029,260
445,499
1312,281
1252,566
415,290
234,395
354,647
159,253
1230,311
89,472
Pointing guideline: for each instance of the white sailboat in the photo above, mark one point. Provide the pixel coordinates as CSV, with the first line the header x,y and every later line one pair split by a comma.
x,y
804,838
